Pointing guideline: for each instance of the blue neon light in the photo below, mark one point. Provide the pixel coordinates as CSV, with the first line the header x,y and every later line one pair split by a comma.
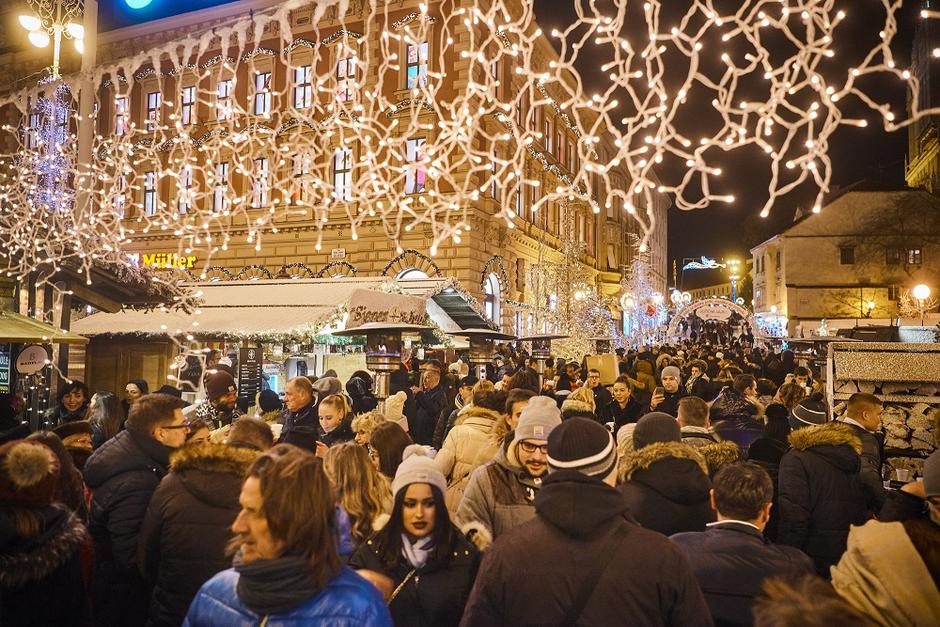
x,y
137,4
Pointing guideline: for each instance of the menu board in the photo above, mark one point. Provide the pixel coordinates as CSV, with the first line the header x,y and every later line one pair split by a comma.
x,y
249,373
4,368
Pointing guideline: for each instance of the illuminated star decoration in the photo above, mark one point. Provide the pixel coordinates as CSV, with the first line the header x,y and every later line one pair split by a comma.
x,y
704,264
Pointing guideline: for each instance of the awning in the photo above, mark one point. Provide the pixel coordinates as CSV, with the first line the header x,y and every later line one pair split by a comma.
x,y
297,308
18,329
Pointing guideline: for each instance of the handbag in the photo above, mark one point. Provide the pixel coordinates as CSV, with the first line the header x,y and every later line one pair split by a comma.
x,y
404,581
602,559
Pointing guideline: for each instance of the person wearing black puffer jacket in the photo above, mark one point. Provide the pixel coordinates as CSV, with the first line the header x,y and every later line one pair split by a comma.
x,y
820,492
183,538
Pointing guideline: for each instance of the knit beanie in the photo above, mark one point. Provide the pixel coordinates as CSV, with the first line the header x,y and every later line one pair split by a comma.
x,y
416,467
75,427
395,409
584,445
670,371
218,384
810,411
327,386
655,427
29,472
932,475
537,420
268,400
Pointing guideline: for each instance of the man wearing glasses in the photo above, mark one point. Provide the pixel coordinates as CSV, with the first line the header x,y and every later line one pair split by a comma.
x,y
500,493
123,473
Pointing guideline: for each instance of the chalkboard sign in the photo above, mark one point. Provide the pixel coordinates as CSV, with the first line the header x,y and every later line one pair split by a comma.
x,y
249,373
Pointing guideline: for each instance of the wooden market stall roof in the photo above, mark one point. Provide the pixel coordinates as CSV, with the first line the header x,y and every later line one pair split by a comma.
x,y
19,329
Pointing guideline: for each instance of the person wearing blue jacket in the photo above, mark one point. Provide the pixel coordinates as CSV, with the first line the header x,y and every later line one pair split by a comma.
x,y
287,570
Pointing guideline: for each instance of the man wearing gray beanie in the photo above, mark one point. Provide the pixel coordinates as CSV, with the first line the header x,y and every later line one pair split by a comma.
x,y
666,397
581,555
500,493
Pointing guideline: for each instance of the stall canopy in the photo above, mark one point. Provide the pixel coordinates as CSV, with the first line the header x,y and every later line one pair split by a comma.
x,y
299,308
18,329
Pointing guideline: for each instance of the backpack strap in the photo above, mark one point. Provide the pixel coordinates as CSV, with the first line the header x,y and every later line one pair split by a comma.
x,y
601,561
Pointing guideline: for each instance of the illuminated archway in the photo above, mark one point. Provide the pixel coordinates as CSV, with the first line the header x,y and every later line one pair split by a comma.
x,y
706,303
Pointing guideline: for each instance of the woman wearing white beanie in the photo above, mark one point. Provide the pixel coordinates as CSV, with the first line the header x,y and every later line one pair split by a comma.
x,y
419,543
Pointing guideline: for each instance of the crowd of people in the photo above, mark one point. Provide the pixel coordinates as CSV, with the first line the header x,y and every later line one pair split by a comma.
x,y
698,484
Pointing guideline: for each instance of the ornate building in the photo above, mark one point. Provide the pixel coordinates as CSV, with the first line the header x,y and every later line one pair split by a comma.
x,y
922,169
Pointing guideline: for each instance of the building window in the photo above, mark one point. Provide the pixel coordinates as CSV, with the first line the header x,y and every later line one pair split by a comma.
x,y
303,87
120,115
300,171
559,149
150,193
186,189
262,93
491,304
894,292
777,266
223,100
417,67
153,110
220,190
612,257
32,130
520,207
494,184
411,274
342,174
259,184
415,175
346,79
188,105
847,255
914,257
548,136
119,201
892,256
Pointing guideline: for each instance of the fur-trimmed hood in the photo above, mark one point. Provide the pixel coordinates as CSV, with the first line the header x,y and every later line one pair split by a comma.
x,y
573,407
648,455
478,416
27,561
719,455
212,457
829,433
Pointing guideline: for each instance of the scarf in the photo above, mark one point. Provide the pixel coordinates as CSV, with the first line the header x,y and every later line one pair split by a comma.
x,y
273,586
418,553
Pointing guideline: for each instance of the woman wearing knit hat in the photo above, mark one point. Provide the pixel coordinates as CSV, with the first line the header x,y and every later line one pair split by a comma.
x,y
419,543
41,544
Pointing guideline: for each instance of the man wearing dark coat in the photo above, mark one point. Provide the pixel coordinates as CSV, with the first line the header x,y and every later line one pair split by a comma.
x,y
863,414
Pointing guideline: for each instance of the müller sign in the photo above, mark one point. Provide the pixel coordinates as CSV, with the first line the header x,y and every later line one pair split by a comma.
x,y
167,261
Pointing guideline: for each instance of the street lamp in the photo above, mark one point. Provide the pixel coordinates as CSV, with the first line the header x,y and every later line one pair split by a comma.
x,y
482,347
733,273
921,293
54,19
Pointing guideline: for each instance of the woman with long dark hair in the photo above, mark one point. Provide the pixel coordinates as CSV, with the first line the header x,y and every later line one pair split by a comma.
x,y
420,544
386,446
106,415
134,390
71,404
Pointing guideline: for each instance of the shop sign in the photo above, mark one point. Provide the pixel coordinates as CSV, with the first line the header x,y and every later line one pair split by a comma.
x,y
338,253
163,261
713,313
367,306
31,359
249,372
5,368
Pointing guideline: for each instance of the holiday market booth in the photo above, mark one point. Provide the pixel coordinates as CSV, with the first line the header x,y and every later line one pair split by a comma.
x,y
293,322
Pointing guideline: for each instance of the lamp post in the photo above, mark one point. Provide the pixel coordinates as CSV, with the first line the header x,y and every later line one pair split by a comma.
x,y
541,351
734,267
53,21
921,294
482,347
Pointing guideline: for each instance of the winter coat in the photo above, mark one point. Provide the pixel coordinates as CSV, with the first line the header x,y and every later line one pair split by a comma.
x,y
870,469
613,412
306,416
530,576
348,600
701,387
698,437
187,527
666,486
900,506
56,416
43,578
731,404
718,455
468,445
670,404
430,404
740,429
435,595
820,492
731,561
572,408
123,474
767,453
363,400
498,497
342,433
602,397
644,374
216,418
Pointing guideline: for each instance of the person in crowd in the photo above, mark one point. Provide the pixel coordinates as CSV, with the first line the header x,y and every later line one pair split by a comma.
x,y
43,571
624,408
430,400
694,425
250,433
270,406
197,430
667,400
863,415
810,411
386,445
665,482
430,563
499,495
516,401
807,601
133,391
359,388
71,404
299,406
734,412
184,534
766,391
361,490
470,443
820,492
579,403
77,438
790,395
569,380
524,379
287,570
364,424
106,415
70,489
462,401
219,408
643,374
123,474
335,420
327,385
11,426
602,396
803,377
767,451
580,556
698,384
732,558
